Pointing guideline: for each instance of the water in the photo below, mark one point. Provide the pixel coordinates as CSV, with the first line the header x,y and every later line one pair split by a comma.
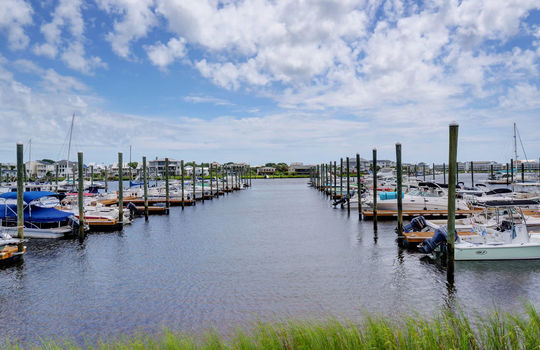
x,y
274,251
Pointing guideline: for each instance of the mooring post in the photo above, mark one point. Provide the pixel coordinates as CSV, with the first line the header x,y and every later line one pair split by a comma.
x,y
472,174
444,173
359,189
415,171
211,178
182,178
348,189
451,225
512,170
120,188
335,179
341,177
194,180
145,180
1,166
20,194
375,189
491,171
399,190
522,172
217,181
507,174
80,195
91,175
202,181
55,177
433,172
424,171
167,204
106,176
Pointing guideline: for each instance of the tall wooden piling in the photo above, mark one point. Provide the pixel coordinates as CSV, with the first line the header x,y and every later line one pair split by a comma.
x,y
522,172
182,178
167,203
217,180
120,188
341,177
145,181
106,177
20,194
359,186
444,173
211,177
507,174
399,190
348,188
91,175
472,174
512,170
375,189
335,179
433,172
55,176
194,180
451,224
491,171
424,171
202,181
1,167
80,194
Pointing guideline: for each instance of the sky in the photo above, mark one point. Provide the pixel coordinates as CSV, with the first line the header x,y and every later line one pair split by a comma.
x,y
269,81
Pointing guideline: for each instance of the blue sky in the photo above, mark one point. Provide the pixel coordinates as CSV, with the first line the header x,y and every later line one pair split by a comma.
x,y
267,81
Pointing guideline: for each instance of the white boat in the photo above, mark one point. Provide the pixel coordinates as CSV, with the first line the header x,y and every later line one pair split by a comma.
x,y
513,243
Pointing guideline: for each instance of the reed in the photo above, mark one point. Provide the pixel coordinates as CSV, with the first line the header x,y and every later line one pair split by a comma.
x,y
446,330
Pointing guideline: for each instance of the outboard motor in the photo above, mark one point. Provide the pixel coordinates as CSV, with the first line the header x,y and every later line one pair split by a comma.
x,y
439,237
417,224
341,201
132,210
74,223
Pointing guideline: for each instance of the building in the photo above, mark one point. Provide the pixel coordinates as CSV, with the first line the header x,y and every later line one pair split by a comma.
x,y
65,168
300,169
266,170
39,169
157,167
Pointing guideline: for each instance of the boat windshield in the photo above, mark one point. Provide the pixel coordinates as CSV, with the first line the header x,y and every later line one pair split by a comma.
x,y
421,193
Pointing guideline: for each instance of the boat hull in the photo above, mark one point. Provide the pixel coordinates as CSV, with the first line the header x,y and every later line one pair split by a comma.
x,y
526,251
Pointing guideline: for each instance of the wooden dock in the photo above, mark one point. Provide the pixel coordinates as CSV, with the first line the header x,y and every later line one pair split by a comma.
x,y
154,210
414,238
388,214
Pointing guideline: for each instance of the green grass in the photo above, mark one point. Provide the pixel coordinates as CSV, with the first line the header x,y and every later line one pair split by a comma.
x,y
447,330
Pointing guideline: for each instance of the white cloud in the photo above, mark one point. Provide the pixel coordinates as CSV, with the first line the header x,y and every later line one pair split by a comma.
x,y
137,20
64,36
207,99
162,55
14,15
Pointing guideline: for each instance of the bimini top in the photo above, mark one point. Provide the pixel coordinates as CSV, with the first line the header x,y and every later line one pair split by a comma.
x,y
33,214
30,195
508,203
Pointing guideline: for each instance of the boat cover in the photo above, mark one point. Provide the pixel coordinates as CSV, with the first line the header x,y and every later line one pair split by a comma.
x,y
33,214
29,195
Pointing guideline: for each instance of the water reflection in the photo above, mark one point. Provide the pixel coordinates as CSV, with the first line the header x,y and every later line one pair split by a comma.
x,y
274,251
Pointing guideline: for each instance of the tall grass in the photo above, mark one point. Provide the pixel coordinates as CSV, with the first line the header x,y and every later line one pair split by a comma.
x,y
447,330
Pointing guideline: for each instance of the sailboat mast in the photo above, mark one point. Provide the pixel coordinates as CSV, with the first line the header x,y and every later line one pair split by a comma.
x,y
515,144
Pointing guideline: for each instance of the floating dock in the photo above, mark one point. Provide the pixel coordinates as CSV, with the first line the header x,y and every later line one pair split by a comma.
x,y
383,214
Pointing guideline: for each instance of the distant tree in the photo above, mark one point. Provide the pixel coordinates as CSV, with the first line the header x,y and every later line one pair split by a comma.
x,y
48,161
282,167
133,165
272,165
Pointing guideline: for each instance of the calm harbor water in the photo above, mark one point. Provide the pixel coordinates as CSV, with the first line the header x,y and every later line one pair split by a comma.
x,y
274,251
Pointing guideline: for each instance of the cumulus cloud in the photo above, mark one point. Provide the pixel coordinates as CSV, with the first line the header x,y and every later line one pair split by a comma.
x,y
162,55
64,36
14,15
136,20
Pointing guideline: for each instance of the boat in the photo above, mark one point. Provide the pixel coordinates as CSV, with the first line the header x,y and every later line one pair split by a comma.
x,y
9,251
41,219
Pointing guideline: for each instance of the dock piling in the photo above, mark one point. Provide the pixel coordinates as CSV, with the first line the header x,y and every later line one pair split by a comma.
x,y
348,189
451,224
120,189
375,189
472,174
80,194
20,193
182,179
145,180
194,180
399,189
359,187
167,203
